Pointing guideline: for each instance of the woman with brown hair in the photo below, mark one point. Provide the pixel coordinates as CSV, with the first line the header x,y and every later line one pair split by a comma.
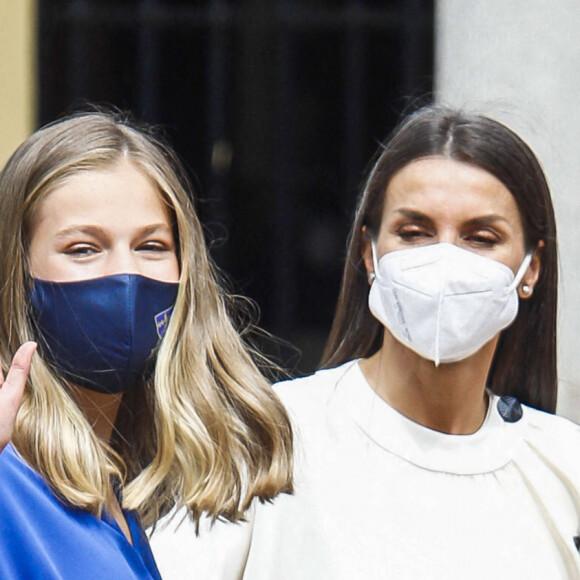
x,y
142,396
426,447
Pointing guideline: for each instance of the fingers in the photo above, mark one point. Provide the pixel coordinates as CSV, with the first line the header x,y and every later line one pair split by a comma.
x,y
18,373
12,388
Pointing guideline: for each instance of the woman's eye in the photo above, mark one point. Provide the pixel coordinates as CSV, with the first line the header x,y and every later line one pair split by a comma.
x,y
413,233
484,238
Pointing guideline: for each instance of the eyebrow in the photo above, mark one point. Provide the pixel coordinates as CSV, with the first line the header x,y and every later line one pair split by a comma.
x,y
79,229
97,231
413,215
485,220
154,228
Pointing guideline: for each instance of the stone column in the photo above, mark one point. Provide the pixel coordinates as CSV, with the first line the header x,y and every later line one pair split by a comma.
x,y
17,73
519,61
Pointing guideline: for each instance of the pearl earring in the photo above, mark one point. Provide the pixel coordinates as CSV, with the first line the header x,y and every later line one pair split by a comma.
x,y
372,277
526,290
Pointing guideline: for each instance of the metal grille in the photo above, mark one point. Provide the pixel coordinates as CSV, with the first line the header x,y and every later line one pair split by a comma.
x,y
274,105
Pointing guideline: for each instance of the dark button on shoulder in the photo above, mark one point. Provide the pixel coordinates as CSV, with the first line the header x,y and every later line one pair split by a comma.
x,y
510,409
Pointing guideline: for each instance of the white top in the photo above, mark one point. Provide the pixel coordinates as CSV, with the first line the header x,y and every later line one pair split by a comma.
x,y
379,496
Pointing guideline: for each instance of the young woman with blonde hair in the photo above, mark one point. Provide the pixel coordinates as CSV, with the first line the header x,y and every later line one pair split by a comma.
x,y
142,395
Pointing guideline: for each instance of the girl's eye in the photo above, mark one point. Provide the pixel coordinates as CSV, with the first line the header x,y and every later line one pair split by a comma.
x,y
80,250
154,246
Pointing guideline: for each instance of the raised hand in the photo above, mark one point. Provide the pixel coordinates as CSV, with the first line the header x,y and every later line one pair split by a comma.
x,y
12,388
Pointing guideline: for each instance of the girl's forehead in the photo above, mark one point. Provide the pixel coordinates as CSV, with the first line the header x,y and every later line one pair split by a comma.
x,y
120,193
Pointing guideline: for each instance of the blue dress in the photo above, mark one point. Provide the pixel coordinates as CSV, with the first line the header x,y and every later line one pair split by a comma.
x,y
40,537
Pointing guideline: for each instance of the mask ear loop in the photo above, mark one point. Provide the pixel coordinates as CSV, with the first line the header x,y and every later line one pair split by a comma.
x,y
374,255
521,272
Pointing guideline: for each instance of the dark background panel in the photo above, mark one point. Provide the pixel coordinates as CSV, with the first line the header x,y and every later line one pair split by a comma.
x,y
275,107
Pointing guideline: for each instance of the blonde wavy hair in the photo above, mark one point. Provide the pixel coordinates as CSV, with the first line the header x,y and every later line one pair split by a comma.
x,y
206,431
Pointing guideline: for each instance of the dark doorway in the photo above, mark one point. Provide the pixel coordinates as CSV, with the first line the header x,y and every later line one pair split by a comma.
x,y
275,106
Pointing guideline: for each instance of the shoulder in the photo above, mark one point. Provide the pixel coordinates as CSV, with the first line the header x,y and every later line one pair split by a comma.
x,y
19,501
306,398
23,489
15,472
549,427
38,531
314,388
553,440
551,444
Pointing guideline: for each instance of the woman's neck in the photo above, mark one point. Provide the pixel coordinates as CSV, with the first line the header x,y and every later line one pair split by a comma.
x,y
450,398
100,409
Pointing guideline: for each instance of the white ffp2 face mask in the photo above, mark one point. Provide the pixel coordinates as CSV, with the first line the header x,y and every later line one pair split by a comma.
x,y
442,301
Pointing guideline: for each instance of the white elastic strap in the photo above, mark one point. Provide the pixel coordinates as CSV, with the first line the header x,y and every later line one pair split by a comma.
x,y
374,254
522,271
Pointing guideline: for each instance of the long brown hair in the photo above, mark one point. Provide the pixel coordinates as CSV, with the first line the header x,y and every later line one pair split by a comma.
x,y
524,363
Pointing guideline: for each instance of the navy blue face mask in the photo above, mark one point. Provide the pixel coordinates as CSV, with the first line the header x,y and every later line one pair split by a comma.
x,y
100,333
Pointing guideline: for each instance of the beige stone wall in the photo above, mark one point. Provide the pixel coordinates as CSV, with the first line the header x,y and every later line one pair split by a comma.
x,y
519,60
17,73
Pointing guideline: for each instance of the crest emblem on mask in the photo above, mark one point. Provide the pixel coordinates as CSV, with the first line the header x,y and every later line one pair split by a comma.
x,y
162,320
